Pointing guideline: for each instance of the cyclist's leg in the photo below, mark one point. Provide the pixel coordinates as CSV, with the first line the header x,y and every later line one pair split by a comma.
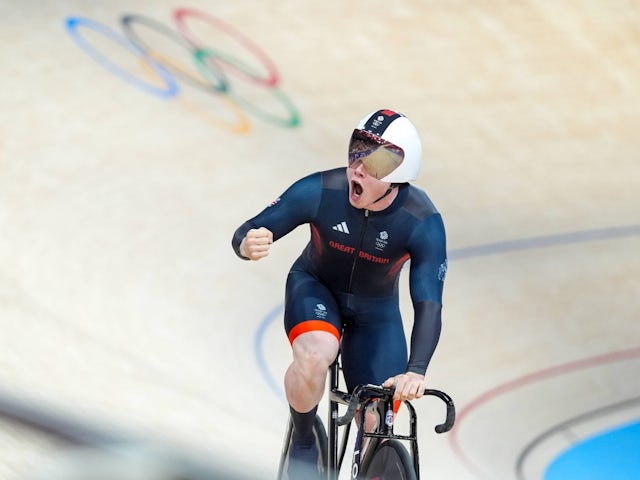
x,y
313,326
374,346
312,323
373,349
313,352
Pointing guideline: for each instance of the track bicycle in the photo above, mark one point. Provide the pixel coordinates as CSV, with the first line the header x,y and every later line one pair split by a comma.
x,y
378,452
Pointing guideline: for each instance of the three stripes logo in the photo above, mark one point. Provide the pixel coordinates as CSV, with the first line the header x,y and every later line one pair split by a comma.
x,y
342,227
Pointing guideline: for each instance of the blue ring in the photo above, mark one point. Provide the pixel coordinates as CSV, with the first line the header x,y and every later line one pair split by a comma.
x,y
171,90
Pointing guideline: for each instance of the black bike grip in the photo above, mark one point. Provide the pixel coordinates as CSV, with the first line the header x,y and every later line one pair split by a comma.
x,y
449,421
451,410
353,404
349,414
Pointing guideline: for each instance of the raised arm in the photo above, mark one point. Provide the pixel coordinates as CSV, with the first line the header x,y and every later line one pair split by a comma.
x,y
296,206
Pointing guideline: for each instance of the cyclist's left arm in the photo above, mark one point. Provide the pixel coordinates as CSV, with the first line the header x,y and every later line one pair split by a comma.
x,y
426,280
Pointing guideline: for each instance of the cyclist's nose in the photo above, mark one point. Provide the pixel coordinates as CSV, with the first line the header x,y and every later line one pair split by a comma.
x,y
359,169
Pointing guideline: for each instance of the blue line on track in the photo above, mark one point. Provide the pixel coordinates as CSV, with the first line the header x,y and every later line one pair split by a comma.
x,y
545,241
259,351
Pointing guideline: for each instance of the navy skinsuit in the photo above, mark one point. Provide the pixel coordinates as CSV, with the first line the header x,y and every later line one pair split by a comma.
x,y
348,273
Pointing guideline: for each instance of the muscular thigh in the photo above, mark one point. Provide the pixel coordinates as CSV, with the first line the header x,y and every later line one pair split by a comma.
x,y
374,346
309,306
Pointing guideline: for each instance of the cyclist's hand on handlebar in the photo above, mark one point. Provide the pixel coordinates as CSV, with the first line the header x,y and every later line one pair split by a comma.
x,y
409,386
256,243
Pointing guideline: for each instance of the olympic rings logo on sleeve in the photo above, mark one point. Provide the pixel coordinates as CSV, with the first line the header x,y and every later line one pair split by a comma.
x,y
205,68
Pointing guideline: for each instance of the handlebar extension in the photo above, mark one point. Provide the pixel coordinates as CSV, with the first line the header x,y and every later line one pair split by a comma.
x,y
366,392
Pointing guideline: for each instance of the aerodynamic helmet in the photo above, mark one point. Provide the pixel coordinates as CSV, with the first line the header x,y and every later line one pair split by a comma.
x,y
388,145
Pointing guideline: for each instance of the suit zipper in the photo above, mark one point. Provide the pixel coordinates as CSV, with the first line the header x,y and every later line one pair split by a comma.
x,y
357,252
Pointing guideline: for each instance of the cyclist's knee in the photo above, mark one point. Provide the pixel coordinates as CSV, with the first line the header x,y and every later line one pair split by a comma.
x,y
313,352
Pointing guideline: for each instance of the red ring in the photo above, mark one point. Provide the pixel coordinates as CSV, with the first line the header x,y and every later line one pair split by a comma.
x,y
273,76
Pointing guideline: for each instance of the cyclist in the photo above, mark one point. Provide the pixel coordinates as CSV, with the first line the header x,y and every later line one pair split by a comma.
x,y
365,222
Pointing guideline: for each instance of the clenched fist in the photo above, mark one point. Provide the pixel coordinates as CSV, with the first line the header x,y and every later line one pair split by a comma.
x,y
256,243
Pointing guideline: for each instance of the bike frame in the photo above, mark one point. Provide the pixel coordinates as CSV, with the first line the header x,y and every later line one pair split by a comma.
x,y
335,462
336,450
383,429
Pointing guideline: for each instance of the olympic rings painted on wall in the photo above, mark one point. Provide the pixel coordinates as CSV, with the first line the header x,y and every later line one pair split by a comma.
x,y
207,69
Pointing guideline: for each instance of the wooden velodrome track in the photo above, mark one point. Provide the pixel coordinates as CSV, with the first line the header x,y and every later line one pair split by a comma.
x,y
122,303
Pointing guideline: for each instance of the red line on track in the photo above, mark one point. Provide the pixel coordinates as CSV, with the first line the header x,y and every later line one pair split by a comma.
x,y
517,383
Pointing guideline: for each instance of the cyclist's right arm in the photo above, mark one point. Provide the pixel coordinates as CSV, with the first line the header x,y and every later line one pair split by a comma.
x,y
297,205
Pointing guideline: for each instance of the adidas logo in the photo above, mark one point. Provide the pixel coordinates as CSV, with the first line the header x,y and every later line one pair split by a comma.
x,y
341,227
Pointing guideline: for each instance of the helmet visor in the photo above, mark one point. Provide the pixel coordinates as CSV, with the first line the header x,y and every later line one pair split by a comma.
x,y
378,156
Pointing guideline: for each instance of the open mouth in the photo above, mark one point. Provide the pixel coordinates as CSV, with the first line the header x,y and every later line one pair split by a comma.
x,y
356,188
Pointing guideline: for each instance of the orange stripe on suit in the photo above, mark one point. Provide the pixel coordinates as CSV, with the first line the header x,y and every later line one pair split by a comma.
x,y
313,326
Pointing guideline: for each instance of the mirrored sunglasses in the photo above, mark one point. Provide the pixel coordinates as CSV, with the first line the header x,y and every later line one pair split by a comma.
x,y
378,156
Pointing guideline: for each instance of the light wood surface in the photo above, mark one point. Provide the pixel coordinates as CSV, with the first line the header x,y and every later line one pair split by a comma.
x,y
121,300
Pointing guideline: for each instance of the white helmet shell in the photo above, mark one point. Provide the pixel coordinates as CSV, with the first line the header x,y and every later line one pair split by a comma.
x,y
399,130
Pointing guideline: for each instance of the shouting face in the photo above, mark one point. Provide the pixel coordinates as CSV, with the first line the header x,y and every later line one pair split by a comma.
x,y
365,190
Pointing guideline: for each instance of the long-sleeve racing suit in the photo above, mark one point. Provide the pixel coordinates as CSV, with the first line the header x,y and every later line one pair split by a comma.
x,y
346,279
